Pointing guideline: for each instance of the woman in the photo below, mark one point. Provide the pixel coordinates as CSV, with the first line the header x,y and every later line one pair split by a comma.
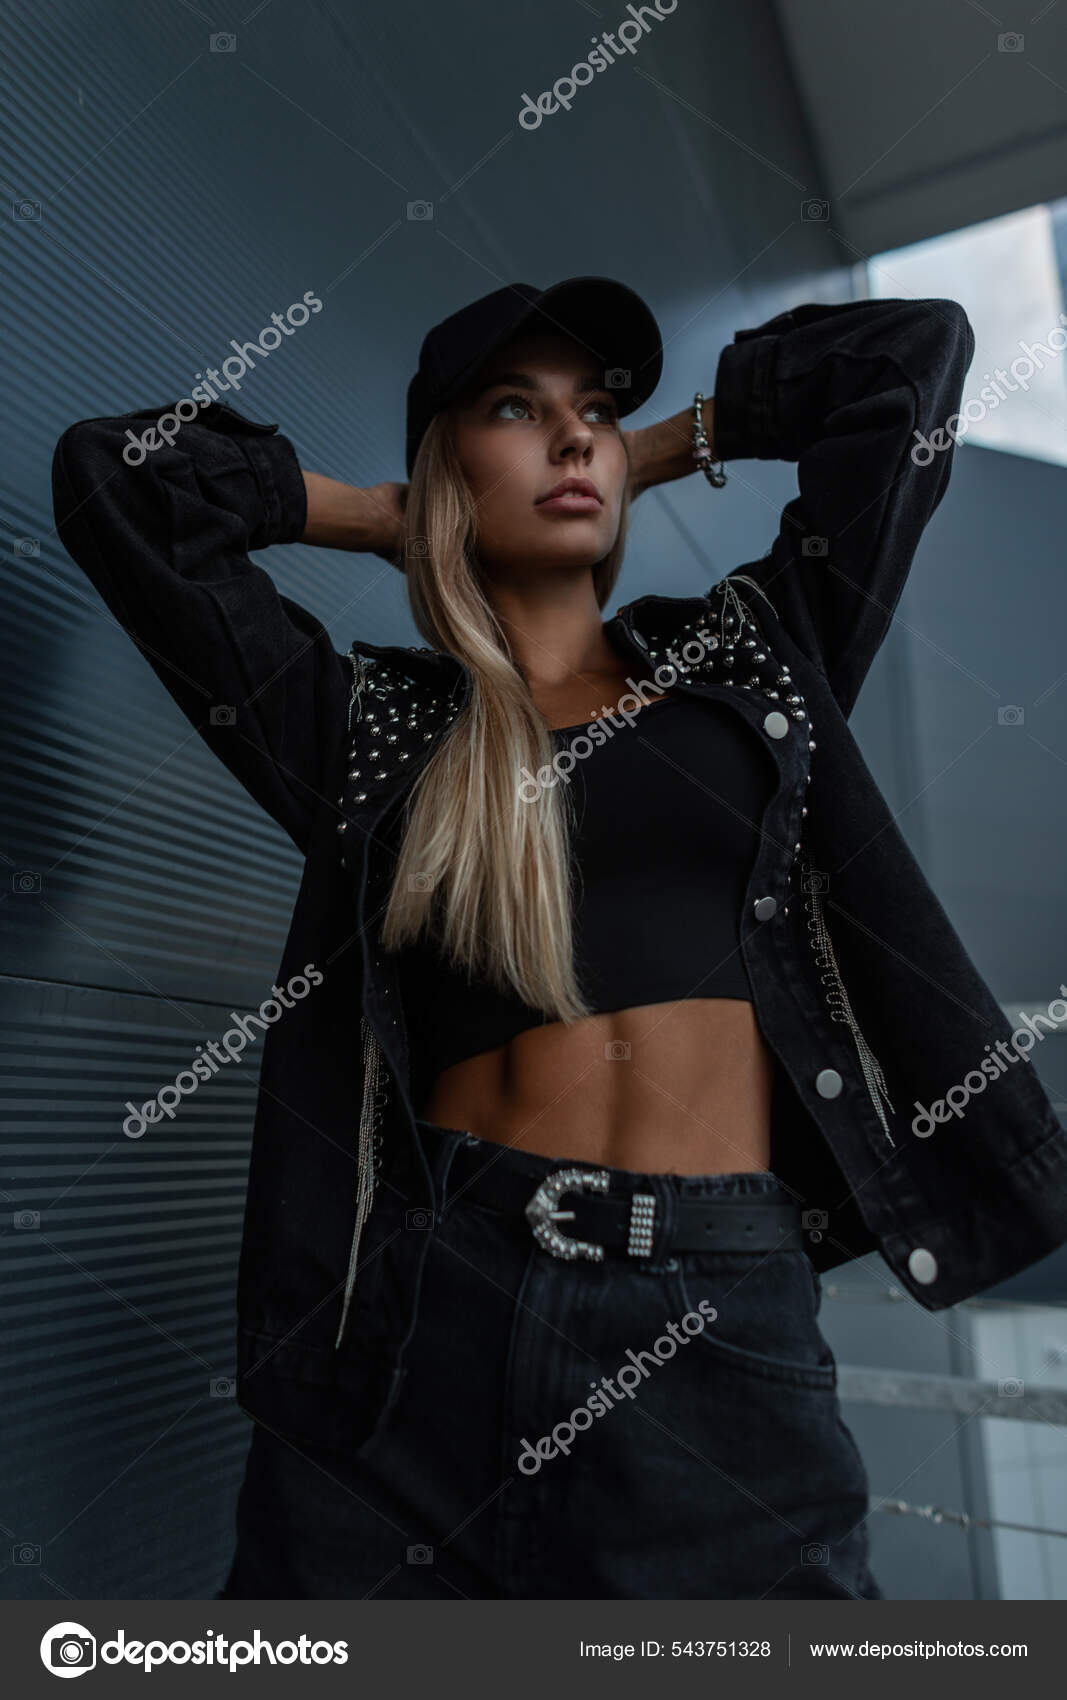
x,y
529,1288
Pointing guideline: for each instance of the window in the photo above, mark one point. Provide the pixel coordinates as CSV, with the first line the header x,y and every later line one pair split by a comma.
x,y
1010,276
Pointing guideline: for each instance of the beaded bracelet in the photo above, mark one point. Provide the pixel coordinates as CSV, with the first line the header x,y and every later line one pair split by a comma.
x,y
702,448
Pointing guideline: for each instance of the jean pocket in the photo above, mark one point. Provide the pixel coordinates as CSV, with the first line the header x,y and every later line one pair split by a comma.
x,y
759,1315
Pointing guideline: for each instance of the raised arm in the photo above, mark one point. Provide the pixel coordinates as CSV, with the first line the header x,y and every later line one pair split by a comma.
x,y
166,543
345,516
848,391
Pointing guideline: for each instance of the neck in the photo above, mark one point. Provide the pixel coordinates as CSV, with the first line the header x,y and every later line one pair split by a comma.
x,y
554,628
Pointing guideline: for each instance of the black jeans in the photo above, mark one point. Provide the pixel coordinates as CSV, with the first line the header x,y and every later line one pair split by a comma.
x,y
540,1449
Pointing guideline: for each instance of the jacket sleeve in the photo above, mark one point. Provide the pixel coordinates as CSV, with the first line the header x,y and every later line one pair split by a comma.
x,y
852,392
166,543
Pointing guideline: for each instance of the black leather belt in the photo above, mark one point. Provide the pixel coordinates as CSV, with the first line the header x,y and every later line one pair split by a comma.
x,y
585,1212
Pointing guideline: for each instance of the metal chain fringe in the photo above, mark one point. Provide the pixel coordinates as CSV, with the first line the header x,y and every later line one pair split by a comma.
x,y
836,995
368,1147
360,671
375,1072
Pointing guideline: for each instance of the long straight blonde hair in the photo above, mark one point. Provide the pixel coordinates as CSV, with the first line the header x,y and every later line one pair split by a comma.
x,y
483,873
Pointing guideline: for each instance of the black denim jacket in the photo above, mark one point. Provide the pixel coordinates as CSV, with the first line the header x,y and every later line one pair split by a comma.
x,y
863,990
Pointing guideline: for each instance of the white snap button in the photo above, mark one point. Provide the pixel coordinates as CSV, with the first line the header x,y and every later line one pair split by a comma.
x,y
776,725
828,1083
922,1265
765,907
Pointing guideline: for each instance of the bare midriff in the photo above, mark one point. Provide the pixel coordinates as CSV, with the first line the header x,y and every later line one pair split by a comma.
x,y
664,1088
669,1088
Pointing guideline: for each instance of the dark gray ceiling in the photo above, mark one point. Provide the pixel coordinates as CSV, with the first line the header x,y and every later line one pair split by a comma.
x,y
928,117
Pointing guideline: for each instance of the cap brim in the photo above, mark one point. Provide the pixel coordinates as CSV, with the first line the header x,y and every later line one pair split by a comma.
x,y
607,318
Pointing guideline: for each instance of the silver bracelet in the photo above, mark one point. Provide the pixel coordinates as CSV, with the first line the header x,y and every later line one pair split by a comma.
x,y
702,448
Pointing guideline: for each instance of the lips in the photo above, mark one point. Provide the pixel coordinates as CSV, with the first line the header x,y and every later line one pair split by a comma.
x,y
583,488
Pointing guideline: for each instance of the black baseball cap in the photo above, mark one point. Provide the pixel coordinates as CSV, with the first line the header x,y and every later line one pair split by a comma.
x,y
608,318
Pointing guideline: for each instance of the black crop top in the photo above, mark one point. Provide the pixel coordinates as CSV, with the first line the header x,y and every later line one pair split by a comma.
x,y
663,839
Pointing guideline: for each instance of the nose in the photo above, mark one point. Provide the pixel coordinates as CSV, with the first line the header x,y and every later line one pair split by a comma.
x,y
573,438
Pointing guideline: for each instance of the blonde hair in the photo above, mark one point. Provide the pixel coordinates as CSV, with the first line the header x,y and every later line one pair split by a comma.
x,y
484,873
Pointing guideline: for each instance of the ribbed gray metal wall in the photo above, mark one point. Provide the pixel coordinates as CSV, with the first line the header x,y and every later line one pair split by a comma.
x,y
184,195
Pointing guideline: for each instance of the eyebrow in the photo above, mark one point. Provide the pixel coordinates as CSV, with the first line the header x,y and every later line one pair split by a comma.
x,y
587,385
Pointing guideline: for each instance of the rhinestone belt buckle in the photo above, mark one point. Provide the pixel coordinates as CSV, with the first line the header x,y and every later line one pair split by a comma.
x,y
543,1210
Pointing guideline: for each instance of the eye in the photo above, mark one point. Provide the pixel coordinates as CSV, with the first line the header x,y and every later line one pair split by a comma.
x,y
505,400
607,407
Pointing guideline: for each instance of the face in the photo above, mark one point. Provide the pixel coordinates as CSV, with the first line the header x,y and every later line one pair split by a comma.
x,y
539,413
